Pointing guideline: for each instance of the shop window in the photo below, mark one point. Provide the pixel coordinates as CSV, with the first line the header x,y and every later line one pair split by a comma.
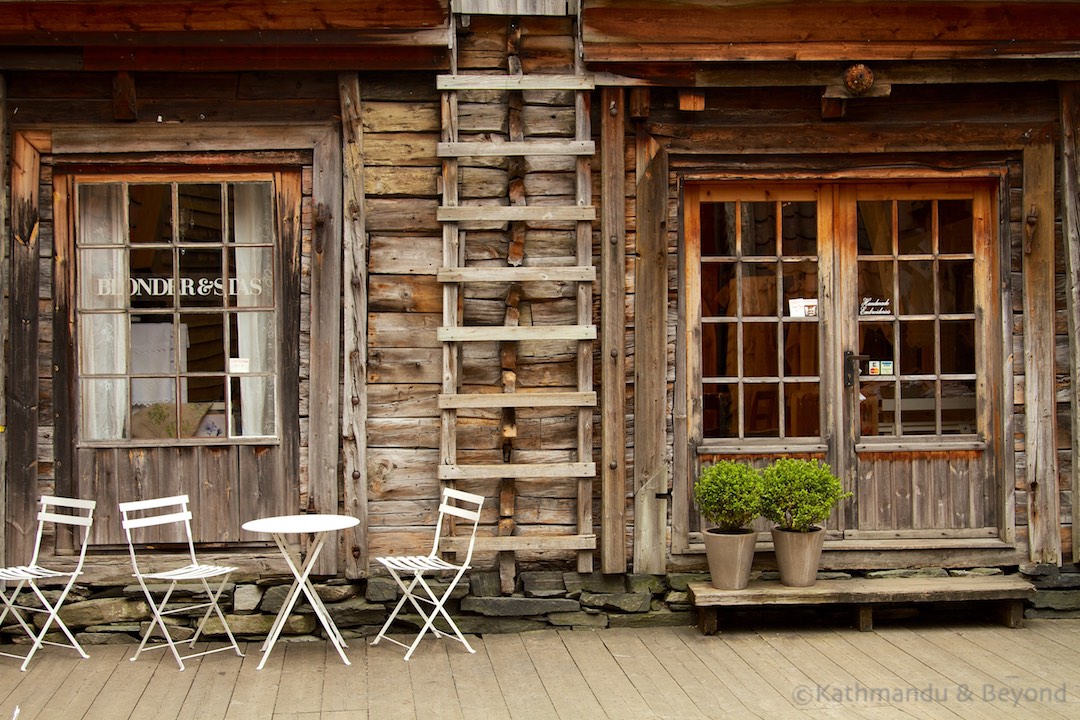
x,y
176,309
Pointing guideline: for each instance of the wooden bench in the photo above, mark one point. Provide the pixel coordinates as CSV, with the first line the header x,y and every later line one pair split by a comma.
x,y
1008,591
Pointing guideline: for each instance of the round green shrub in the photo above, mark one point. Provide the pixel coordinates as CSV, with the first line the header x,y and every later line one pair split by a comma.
x,y
798,494
728,494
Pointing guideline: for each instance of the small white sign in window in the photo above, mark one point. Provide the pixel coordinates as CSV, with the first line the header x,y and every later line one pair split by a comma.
x,y
239,365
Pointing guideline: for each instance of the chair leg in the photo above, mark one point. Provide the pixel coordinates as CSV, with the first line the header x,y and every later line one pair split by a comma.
x,y
53,610
157,609
214,596
406,595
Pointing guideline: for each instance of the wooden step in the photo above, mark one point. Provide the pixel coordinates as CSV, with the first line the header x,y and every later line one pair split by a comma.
x,y
515,333
515,149
515,213
517,400
515,82
517,470
520,542
864,593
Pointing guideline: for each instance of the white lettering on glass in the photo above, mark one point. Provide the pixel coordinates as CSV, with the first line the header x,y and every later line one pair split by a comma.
x,y
188,286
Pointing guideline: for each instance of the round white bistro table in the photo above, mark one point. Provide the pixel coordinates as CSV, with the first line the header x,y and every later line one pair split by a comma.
x,y
318,525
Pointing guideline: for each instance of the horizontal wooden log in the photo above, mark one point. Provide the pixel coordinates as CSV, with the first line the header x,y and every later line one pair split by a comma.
x,y
518,400
512,333
517,470
510,149
515,213
531,273
515,82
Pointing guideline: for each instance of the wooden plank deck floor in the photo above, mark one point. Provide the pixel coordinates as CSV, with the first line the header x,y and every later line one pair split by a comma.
x,y
909,671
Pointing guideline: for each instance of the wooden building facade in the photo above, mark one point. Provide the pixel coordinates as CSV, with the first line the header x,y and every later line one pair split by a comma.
x,y
304,257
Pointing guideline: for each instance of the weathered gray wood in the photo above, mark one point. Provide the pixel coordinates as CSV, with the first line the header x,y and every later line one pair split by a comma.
x,y
519,470
324,390
529,332
5,273
524,213
508,543
63,349
651,482
355,313
613,333
537,273
507,149
1070,219
22,400
180,138
514,82
1040,414
518,400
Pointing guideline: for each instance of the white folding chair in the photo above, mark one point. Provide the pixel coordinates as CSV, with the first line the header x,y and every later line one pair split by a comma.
x,y
455,504
174,511
81,515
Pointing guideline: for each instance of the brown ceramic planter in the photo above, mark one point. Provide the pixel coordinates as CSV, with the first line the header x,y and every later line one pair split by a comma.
x,y
798,555
730,555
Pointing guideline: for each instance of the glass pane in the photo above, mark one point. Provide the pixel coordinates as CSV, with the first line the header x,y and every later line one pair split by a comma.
x,y
958,346
958,407
917,348
759,290
101,214
762,410
167,420
876,343
254,342
253,406
800,349
917,408
802,408
915,227
759,229
875,287
877,408
759,350
251,281
152,282
200,278
798,224
718,229
103,343
103,409
150,213
875,227
206,389
956,286
205,351
719,404
103,280
801,288
916,287
718,293
955,226
718,343
200,213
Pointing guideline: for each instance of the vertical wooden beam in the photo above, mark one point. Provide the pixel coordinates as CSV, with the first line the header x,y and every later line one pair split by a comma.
x,y
5,299
324,378
613,331
22,371
584,291
1070,218
651,482
354,292
1040,404
63,332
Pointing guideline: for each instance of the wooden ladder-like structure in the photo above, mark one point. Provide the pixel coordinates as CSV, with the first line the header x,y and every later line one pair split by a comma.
x,y
455,276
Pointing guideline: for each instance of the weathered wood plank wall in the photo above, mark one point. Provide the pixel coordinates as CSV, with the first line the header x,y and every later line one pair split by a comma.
x,y
5,270
1070,217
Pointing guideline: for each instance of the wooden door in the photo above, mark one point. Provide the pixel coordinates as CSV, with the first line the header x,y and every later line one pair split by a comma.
x,y
921,341
860,324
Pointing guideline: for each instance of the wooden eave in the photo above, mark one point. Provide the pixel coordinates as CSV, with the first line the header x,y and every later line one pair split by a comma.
x,y
697,31
224,35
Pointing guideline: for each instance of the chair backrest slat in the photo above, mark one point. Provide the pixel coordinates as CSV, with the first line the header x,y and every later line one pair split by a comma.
x,y
69,502
152,520
84,520
136,505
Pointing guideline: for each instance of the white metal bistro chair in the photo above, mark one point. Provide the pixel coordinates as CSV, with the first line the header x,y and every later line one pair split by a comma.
x,y
174,511
32,575
409,571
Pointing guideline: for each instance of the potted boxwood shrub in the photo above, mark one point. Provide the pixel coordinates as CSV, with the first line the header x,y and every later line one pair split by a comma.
x,y
728,495
798,494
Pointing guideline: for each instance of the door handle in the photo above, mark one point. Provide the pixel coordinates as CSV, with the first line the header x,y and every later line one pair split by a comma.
x,y
851,367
